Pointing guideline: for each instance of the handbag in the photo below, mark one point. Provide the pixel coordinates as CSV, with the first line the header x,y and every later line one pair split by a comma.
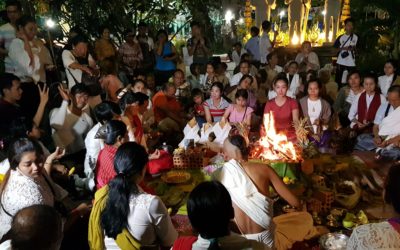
x,y
90,81
164,163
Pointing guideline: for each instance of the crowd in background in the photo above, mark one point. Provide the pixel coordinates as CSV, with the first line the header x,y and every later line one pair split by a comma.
x,y
91,118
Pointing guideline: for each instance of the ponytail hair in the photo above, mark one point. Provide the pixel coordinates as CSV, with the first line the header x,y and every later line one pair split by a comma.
x,y
129,162
114,129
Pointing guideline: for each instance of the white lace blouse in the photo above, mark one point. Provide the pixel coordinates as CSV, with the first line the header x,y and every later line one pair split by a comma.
x,y
148,222
374,236
22,191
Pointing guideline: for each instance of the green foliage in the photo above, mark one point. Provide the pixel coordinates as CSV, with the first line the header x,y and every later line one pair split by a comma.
x,y
377,25
119,15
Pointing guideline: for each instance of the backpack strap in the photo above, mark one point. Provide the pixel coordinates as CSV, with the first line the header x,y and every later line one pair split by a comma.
x,y
387,110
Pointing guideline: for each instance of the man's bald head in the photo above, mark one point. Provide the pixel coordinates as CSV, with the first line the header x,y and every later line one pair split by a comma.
x,y
36,227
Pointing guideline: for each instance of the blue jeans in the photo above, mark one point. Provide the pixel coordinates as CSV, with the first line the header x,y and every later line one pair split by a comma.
x,y
365,142
390,154
200,121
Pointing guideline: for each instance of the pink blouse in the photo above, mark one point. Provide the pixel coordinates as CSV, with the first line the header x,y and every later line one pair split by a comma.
x,y
236,116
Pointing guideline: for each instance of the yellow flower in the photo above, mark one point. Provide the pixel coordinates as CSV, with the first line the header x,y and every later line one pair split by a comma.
x,y
286,180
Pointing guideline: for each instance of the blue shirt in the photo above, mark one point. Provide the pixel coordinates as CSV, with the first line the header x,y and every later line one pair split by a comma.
x,y
253,47
164,65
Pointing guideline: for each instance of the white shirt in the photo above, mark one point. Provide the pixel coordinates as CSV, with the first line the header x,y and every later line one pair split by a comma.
x,y
380,114
352,96
354,106
7,34
236,57
235,79
68,58
265,45
278,69
314,111
69,130
294,85
312,58
345,41
20,61
6,245
384,83
232,242
93,147
148,222
374,236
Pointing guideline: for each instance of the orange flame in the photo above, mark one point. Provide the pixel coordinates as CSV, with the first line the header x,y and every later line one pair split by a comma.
x,y
274,146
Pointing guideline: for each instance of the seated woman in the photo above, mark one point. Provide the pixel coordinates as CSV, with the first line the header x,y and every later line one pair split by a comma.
x,y
210,216
142,215
249,186
364,107
318,112
346,96
272,68
245,83
20,128
182,87
209,78
116,135
389,78
284,109
134,106
306,58
294,81
239,112
28,182
386,234
215,106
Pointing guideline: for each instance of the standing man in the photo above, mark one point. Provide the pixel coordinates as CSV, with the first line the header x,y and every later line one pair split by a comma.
x,y
346,46
253,46
266,45
198,46
8,30
147,46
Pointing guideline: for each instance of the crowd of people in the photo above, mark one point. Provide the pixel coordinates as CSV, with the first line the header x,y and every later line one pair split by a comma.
x,y
95,131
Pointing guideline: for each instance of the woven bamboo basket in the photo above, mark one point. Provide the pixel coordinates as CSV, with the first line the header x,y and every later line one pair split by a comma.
x,y
190,160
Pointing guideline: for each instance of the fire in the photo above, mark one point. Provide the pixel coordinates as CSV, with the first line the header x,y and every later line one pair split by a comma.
x,y
273,145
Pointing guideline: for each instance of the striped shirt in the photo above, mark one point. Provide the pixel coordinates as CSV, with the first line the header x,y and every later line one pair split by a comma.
x,y
216,112
105,166
129,54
